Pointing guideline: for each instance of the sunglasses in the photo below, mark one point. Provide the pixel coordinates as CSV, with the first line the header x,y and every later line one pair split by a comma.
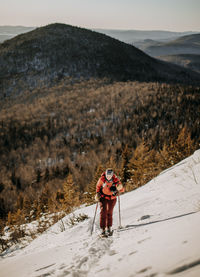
x,y
109,172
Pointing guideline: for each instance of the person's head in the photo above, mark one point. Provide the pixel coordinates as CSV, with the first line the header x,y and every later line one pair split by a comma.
x,y
109,174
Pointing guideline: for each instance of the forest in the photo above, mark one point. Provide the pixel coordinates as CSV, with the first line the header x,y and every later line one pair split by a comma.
x,y
55,142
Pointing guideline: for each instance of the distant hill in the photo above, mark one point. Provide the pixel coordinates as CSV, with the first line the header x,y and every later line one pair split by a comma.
x,y
47,54
187,60
183,45
8,32
132,36
144,45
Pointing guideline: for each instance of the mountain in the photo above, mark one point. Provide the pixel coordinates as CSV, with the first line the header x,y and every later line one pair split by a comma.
x,y
46,55
145,44
133,36
8,32
190,61
161,239
183,45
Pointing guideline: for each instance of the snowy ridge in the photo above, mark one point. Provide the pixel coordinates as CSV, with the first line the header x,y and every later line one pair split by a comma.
x,y
162,238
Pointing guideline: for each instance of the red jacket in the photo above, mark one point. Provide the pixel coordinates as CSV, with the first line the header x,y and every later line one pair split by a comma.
x,y
104,186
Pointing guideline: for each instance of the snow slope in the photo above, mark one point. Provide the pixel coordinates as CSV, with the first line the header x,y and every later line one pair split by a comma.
x,y
163,238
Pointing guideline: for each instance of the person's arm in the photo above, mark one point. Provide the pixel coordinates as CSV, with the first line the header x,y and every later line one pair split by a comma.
x,y
119,185
99,185
98,188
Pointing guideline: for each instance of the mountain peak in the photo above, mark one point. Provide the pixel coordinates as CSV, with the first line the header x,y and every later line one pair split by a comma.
x,y
50,53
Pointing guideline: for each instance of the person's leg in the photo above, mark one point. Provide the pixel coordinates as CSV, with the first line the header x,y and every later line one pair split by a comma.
x,y
103,213
111,204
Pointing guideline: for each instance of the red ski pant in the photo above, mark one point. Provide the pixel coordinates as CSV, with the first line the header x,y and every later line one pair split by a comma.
x,y
106,206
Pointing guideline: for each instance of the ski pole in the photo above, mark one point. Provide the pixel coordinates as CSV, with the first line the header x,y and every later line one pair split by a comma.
x,y
120,224
94,218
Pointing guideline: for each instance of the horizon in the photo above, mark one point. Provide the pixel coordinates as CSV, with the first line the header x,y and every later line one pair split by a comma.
x,y
109,29
145,15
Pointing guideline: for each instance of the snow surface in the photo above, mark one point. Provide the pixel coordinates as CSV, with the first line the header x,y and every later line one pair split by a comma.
x,y
163,238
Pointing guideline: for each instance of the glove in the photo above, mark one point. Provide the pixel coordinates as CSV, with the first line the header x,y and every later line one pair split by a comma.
x,y
97,196
119,187
116,193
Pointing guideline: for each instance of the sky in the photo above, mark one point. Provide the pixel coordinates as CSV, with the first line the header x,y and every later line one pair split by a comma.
x,y
171,15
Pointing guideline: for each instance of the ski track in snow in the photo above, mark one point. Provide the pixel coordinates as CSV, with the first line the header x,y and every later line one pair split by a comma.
x,y
162,238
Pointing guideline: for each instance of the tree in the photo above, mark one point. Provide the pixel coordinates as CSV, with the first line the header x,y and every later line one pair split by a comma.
x,y
111,164
20,201
27,206
10,219
38,175
138,166
2,208
90,190
125,173
71,194
178,149
34,211
44,200
18,217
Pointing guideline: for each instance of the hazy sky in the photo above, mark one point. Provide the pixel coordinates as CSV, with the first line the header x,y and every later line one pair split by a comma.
x,y
172,15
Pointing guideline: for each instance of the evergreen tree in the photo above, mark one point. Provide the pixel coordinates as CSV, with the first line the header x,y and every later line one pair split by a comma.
x,y
38,175
46,176
137,165
184,145
20,201
27,207
125,174
10,219
34,211
43,201
178,149
3,212
71,194
18,217
112,164
90,192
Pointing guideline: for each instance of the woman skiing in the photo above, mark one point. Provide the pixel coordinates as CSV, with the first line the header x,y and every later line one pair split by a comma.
x,y
107,189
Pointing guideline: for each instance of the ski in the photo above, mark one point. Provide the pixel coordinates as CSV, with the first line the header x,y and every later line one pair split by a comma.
x,y
125,228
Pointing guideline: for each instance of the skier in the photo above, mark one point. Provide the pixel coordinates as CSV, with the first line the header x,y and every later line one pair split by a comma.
x,y
107,189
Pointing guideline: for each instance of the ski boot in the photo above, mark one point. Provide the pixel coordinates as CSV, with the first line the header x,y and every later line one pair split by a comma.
x,y
109,231
103,234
